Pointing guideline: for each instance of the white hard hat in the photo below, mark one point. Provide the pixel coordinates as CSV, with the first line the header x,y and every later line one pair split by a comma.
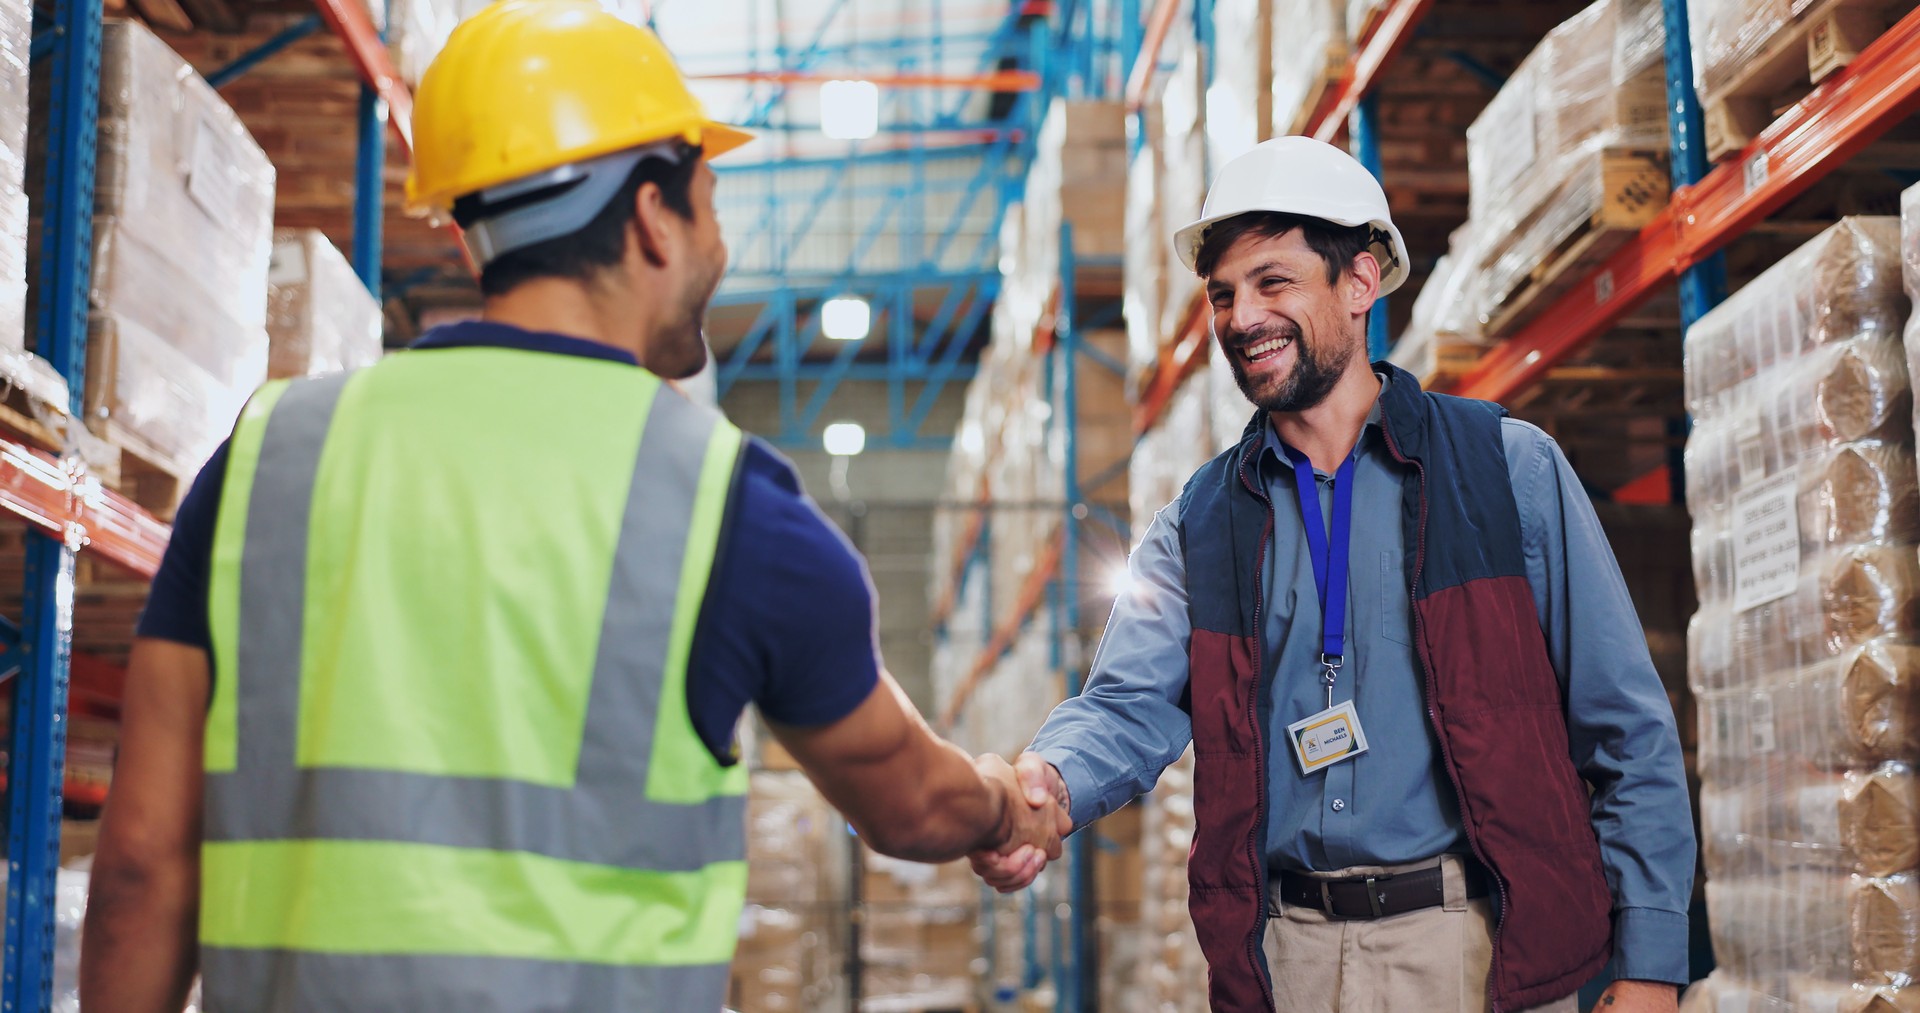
x,y
1305,177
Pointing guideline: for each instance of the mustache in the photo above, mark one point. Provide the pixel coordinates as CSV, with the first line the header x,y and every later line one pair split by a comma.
x,y
1265,332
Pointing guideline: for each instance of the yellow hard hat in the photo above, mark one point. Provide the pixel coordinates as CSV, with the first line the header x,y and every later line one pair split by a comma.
x,y
527,86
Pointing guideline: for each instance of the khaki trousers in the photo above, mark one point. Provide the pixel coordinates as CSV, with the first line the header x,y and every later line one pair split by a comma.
x,y
1433,960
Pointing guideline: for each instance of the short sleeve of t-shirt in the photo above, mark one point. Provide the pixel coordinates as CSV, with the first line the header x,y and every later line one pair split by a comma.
x,y
789,623
177,603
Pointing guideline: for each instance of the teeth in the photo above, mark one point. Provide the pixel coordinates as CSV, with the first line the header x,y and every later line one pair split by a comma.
x,y
1266,348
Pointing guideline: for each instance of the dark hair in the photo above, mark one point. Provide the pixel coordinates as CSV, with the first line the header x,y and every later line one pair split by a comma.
x,y
1336,244
595,247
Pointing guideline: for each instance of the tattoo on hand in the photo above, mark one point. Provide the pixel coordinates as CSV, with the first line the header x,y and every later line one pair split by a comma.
x,y
1609,1000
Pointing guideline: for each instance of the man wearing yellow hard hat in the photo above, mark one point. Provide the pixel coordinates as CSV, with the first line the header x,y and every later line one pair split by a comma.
x,y
433,705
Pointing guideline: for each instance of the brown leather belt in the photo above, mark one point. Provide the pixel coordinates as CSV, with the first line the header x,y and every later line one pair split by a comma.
x,y
1369,897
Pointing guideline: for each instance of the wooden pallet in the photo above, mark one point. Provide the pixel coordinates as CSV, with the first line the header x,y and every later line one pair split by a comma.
x,y
132,467
1634,188
1452,359
1823,37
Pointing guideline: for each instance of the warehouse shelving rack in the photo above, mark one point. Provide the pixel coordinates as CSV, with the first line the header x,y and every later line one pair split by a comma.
x,y
1710,206
1056,580
65,509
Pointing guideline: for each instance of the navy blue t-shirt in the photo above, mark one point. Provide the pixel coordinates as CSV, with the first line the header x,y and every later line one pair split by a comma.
x,y
789,622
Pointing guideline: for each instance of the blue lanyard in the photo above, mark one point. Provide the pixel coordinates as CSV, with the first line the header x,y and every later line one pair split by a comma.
x,y
1324,537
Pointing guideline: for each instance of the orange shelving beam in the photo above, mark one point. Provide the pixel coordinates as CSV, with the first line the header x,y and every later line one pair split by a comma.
x,y
68,505
1832,124
1390,35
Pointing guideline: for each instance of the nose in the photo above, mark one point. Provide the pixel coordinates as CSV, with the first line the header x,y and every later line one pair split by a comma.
x,y
1246,314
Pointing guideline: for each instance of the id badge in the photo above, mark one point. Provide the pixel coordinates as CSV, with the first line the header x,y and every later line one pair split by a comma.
x,y
1327,738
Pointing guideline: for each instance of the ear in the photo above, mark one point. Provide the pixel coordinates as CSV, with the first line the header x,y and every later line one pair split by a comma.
x,y
1361,284
652,224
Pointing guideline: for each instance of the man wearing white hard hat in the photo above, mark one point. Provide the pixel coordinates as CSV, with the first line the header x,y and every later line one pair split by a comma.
x,y
1434,766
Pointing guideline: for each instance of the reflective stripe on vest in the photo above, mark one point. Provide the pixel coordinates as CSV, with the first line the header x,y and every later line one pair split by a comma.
x,y
580,848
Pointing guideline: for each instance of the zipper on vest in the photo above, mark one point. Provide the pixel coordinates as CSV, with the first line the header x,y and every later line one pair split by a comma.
x,y
1256,952
1433,717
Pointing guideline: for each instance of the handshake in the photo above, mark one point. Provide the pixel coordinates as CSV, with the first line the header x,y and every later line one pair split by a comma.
x,y
1033,820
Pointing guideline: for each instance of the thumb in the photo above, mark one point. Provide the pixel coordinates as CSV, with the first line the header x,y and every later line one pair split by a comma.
x,y
1036,776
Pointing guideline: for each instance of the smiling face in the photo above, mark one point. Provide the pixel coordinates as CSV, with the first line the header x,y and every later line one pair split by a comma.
x,y
1288,332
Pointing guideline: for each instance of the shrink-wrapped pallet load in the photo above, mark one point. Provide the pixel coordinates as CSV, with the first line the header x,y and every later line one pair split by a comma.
x,y
1240,98
320,316
1803,654
183,234
1309,52
18,367
1564,164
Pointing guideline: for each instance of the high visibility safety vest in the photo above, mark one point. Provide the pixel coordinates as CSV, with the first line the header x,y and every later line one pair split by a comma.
x,y
449,762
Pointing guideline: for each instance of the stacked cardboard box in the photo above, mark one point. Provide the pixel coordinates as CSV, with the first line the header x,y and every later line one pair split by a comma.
x,y
320,317
792,955
1800,475
183,234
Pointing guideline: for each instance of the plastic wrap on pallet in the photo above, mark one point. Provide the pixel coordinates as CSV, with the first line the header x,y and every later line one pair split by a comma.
x,y
1169,453
1309,49
792,952
1240,98
1144,264
183,236
1593,81
16,36
1910,275
1538,157
1183,173
1078,176
1360,14
183,180
1862,822
155,399
1728,34
1803,652
1844,285
1444,315
320,316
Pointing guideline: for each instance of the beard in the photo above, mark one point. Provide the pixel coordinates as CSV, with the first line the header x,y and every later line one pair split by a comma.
x,y
687,331
1315,372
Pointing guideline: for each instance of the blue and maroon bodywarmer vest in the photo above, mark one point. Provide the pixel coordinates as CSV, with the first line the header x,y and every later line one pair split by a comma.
x,y
1491,693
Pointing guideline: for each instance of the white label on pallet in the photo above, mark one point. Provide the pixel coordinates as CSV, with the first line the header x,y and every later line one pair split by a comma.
x,y
1760,723
210,174
1603,288
1509,132
1750,443
1766,542
1756,170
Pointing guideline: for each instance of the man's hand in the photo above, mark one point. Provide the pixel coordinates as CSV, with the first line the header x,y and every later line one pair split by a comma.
x,y
1040,798
1638,997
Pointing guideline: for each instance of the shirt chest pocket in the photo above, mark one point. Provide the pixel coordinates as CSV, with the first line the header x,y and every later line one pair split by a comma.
x,y
1396,608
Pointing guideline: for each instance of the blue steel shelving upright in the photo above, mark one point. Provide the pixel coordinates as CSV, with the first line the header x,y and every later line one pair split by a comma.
x,y
63,514
37,753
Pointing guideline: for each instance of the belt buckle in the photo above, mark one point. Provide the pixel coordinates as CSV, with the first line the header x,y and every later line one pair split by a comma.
x,y
1373,899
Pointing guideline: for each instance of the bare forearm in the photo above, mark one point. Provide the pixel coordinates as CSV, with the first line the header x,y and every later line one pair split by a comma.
x,y
956,812
138,950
